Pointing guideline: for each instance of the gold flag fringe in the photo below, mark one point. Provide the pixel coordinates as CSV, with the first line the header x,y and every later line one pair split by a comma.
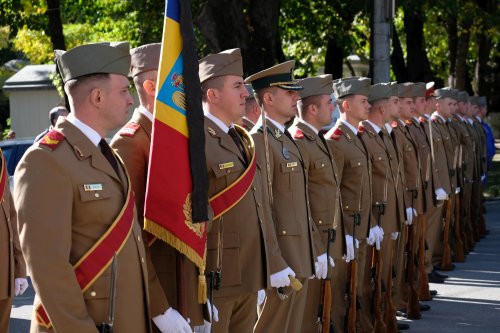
x,y
168,237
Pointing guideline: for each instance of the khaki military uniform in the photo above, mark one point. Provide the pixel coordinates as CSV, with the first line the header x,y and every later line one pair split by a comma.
x,y
244,234
12,263
354,165
325,203
59,228
247,124
132,143
297,235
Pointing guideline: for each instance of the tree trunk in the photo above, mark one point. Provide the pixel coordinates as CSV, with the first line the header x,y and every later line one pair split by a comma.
x,y
225,26
416,56
397,58
55,29
461,69
451,27
483,73
334,58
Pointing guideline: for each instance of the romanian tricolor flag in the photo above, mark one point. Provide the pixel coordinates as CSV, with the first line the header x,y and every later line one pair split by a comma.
x,y
177,187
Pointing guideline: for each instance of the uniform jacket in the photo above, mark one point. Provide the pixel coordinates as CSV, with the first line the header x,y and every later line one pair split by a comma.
x,y
323,185
354,166
132,143
59,227
247,124
451,150
467,165
483,151
12,263
298,238
414,195
385,178
245,233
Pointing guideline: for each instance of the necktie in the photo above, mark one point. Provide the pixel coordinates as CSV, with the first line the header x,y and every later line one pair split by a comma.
x,y
237,140
108,153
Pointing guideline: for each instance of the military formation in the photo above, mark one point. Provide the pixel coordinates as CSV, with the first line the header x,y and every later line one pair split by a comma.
x,y
339,230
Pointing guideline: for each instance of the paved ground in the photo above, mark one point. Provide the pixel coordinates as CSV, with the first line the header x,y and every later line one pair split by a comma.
x,y
469,301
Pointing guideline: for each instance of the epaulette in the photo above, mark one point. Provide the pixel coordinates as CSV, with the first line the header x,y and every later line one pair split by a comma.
x,y
129,130
298,134
336,134
408,122
422,119
361,129
52,139
394,124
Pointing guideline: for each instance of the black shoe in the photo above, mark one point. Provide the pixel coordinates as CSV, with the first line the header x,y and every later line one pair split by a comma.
x,y
401,313
434,279
441,276
403,326
424,307
438,267
433,292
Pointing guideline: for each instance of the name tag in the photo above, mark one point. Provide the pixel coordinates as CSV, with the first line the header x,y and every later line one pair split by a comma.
x,y
227,165
92,187
291,164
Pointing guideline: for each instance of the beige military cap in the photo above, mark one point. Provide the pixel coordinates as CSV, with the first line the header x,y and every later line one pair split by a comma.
x,y
144,58
228,62
318,85
474,100
462,96
351,86
405,89
445,93
108,58
380,91
394,89
419,89
482,101
280,76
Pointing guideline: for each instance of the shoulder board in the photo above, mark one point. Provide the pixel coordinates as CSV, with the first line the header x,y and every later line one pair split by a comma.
x,y
423,119
394,124
408,122
336,134
52,139
297,134
130,129
361,129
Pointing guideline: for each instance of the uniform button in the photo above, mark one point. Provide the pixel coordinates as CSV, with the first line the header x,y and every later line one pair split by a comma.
x,y
346,207
260,220
97,195
139,238
320,221
359,163
293,169
142,259
322,164
284,232
254,189
93,294
378,158
258,204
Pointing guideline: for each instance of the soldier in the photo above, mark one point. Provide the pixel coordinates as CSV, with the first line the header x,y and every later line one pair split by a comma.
x,y
242,245
286,179
12,265
315,110
88,204
252,110
354,165
387,190
132,144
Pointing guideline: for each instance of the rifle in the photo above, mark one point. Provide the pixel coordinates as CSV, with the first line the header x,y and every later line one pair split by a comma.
x,y
413,308
325,324
108,327
423,279
446,259
350,293
379,326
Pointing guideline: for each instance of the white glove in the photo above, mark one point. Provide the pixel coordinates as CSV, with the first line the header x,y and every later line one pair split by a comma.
x,y
483,177
213,316
281,278
457,190
172,322
321,266
350,248
410,213
20,286
205,328
394,235
376,236
441,194
261,296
